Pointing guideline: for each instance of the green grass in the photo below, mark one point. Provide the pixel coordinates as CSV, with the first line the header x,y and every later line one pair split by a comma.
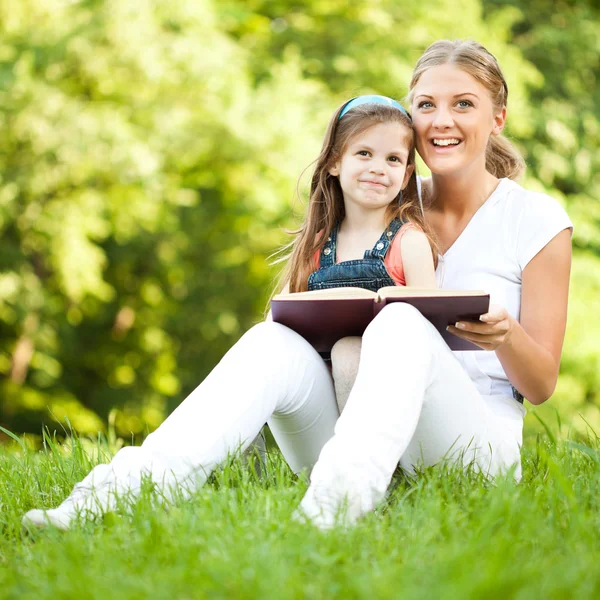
x,y
445,535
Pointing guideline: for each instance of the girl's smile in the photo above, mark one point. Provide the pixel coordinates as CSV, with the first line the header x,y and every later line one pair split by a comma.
x,y
373,183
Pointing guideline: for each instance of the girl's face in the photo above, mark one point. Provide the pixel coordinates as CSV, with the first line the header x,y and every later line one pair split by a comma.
x,y
453,116
373,167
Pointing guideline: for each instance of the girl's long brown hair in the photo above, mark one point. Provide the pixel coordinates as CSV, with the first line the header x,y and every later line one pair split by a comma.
x,y
326,203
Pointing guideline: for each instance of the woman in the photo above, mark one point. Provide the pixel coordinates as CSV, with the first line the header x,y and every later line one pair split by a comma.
x,y
414,401
493,235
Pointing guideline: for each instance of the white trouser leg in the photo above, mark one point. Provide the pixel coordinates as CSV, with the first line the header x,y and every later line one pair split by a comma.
x,y
270,374
412,402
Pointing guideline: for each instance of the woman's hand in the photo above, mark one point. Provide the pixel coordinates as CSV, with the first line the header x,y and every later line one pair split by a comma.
x,y
494,331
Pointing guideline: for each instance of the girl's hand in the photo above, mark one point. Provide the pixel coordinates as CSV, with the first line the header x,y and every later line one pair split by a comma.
x,y
494,331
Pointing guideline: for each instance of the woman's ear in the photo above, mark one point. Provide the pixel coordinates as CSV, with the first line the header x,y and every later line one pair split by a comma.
x,y
499,122
335,170
407,175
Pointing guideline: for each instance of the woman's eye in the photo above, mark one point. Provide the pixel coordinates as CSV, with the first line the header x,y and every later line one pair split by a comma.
x,y
425,104
464,103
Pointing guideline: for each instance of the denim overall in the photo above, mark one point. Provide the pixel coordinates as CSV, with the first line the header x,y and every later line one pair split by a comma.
x,y
368,272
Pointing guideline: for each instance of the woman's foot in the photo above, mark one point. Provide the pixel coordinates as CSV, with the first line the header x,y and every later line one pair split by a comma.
x,y
57,517
87,502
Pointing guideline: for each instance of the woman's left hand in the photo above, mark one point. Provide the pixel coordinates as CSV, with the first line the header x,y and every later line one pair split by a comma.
x,y
494,331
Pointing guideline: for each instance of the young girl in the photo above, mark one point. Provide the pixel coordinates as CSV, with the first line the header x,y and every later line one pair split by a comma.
x,y
364,228
363,196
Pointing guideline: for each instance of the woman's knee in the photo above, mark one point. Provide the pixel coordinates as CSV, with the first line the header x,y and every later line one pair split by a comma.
x,y
264,329
264,339
395,320
273,335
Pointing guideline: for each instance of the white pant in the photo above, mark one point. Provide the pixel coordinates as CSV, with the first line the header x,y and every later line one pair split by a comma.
x,y
412,402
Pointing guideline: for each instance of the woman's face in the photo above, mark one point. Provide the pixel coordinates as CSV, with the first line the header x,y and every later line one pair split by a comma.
x,y
453,118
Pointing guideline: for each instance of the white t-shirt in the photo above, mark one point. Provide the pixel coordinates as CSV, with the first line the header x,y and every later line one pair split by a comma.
x,y
507,231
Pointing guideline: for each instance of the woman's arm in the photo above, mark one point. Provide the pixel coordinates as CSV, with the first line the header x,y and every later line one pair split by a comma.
x,y
417,260
530,350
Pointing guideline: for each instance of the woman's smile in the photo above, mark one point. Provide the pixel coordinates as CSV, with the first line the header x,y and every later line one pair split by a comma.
x,y
444,145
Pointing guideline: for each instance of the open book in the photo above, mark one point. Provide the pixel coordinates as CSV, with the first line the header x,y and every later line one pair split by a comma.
x,y
324,316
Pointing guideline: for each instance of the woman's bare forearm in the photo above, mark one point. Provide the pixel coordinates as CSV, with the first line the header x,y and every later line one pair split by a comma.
x,y
529,366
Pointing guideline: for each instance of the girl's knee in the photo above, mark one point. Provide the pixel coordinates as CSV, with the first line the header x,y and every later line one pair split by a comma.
x,y
345,350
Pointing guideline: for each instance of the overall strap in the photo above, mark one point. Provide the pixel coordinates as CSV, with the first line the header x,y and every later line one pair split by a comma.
x,y
385,241
328,251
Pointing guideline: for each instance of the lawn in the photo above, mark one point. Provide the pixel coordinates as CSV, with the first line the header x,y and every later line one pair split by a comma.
x,y
444,535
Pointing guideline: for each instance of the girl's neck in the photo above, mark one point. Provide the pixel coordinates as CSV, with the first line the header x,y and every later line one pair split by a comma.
x,y
461,194
358,221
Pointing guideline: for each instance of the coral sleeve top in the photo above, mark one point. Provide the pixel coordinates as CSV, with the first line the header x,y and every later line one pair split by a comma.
x,y
393,259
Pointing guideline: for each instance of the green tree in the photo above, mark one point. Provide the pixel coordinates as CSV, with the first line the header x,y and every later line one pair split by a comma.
x,y
148,161
143,179
562,40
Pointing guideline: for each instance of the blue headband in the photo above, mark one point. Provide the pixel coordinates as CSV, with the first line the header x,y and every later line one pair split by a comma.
x,y
372,99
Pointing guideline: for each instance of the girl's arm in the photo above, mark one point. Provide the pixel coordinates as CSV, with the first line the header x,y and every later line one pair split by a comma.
x,y
530,350
417,259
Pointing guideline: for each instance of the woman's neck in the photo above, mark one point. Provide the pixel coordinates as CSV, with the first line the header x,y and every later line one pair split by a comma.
x,y
460,194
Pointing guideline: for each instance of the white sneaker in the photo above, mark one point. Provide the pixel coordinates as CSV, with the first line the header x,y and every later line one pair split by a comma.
x,y
40,519
88,503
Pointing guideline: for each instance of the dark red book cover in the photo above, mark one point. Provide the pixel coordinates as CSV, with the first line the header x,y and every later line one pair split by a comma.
x,y
323,321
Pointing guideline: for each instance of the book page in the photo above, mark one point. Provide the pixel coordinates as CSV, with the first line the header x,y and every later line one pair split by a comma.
x,y
336,293
414,292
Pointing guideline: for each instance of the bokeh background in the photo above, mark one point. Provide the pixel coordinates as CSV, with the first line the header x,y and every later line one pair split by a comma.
x,y
149,155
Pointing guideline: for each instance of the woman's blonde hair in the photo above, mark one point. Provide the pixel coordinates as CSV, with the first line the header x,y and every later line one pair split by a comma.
x,y
502,158
326,203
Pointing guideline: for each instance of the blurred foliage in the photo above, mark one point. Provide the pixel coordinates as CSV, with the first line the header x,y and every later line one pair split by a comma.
x,y
149,152
562,149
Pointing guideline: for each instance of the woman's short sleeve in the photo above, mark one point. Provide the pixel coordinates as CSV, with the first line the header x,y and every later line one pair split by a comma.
x,y
542,218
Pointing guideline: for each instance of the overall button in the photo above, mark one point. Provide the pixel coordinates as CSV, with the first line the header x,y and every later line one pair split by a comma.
x,y
389,234
379,246
327,251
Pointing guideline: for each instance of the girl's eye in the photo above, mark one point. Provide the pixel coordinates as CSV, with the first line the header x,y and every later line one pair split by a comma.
x,y
363,152
394,159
